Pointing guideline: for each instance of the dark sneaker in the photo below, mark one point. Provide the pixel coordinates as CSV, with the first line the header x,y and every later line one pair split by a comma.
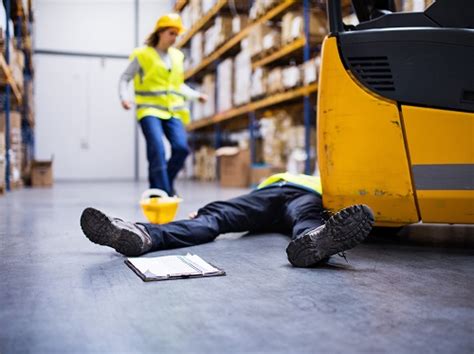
x,y
125,237
343,230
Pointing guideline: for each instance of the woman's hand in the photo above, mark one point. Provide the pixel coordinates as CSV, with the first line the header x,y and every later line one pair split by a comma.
x,y
203,98
126,104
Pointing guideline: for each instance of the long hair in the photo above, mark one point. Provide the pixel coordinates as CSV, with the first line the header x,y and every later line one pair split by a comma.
x,y
154,38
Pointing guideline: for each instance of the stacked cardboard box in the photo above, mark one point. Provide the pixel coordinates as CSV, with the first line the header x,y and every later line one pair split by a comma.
x,y
234,167
217,34
291,76
260,7
205,164
17,65
293,26
274,146
310,70
259,82
42,173
275,81
283,140
242,74
15,152
30,106
225,83
256,36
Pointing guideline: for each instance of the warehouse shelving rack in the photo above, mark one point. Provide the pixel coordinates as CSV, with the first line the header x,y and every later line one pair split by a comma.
x,y
209,63
23,25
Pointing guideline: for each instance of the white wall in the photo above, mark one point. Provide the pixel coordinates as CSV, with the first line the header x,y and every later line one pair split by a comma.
x,y
79,119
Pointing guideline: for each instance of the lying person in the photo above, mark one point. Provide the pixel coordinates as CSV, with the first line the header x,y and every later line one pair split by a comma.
x,y
284,203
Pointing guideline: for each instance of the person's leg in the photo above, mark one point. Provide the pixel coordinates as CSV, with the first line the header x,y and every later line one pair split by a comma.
x,y
304,212
176,135
259,211
157,170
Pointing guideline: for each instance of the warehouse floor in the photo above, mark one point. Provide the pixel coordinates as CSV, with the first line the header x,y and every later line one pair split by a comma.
x,y
61,293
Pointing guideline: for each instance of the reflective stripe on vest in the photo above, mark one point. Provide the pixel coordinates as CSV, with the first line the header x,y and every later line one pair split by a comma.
x,y
305,181
158,93
167,109
157,87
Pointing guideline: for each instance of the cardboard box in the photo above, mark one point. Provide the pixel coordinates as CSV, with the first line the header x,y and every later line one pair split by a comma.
x,y
15,121
42,173
258,173
234,167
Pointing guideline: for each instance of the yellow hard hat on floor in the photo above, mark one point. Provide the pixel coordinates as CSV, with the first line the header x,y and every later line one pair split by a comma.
x,y
170,20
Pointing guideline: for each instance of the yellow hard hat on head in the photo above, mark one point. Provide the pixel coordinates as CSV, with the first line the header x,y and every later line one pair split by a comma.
x,y
170,20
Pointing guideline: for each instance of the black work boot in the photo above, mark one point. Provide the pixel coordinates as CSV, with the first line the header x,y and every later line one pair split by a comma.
x,y
344,230
125,237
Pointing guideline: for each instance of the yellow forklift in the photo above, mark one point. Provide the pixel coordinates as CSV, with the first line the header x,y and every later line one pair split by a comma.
x,y
396,112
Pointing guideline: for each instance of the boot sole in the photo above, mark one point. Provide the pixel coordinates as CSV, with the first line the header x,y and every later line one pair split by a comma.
x,y
99,229
343,231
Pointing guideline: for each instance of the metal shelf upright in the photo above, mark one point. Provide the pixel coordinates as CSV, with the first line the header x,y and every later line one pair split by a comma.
x,y
7,97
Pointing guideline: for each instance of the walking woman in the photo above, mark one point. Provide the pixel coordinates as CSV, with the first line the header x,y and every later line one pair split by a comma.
x,y
160,94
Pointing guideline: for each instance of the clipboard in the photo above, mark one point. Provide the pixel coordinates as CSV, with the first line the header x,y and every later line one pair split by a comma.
x,y
172,267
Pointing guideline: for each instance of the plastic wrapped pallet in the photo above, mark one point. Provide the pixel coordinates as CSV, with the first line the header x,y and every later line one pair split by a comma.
x,y
242,73
275,81
196,49
223,28
310,70
291,76
256,38
239,22
210,40
207,5
209,88
271,40
259,82
196,10
225,83
260,7
293,26
186,17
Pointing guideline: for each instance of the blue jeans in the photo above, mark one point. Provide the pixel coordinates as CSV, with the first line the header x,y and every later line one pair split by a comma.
x,y
161,174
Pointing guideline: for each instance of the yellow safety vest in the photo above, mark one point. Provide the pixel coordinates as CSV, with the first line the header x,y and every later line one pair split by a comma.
x,y
157,89
307,182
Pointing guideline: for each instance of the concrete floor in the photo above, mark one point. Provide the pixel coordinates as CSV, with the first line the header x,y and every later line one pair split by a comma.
x,y
59,293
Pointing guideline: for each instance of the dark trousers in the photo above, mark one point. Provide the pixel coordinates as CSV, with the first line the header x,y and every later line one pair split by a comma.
x,y
162,174
282,209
